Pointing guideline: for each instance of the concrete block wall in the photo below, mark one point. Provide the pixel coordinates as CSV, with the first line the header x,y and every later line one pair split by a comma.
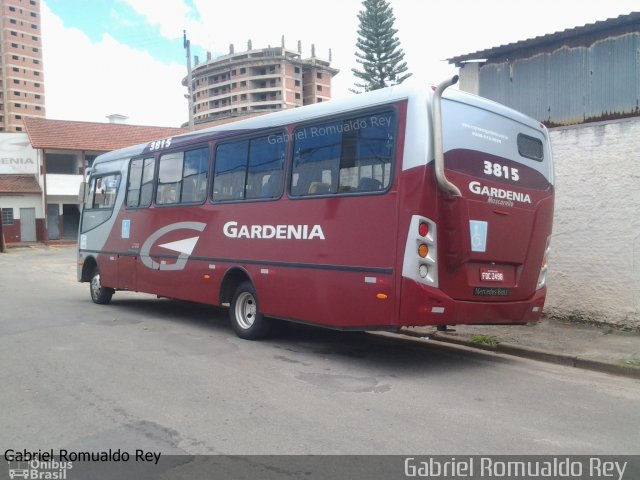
x,y
595,247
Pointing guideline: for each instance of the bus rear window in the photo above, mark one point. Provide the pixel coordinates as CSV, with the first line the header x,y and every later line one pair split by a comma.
x,y
530,147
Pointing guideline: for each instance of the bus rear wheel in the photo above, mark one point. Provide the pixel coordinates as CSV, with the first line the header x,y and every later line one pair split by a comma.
x,y
246,319
99,294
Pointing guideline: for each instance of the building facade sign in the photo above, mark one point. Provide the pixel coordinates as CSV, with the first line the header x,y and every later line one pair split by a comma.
x,y
16,154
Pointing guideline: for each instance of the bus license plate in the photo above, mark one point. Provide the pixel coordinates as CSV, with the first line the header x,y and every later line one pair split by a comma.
x,y
491,275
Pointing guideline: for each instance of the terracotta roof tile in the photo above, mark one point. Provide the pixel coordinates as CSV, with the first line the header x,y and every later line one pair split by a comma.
x,y
19,184
102,137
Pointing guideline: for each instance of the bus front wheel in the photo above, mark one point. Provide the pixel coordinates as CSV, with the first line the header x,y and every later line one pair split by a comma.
x,y
99,294
246,319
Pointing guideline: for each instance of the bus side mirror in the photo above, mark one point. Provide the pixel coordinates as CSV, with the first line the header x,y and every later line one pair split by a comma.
x,y
82,192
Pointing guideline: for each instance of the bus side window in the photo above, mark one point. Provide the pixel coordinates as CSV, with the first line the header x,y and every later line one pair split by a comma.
x,y
103,191
348,156
133,185
196,168
230,171
248,169
170,178
367,151
266,162
90,198
316,160
146,189
182,178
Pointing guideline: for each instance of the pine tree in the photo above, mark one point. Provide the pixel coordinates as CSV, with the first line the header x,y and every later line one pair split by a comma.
x,y
380,54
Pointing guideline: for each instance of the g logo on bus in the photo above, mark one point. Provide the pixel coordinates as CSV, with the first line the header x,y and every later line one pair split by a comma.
x,y
184,247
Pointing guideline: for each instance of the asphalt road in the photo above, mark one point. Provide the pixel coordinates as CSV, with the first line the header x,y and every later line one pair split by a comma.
x,y
156,374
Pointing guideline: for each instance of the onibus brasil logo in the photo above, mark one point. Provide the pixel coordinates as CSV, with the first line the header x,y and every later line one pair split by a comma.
x,y
38,469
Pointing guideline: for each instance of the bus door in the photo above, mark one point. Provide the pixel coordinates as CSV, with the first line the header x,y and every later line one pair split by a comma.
x,y
169,221
127,261
134,220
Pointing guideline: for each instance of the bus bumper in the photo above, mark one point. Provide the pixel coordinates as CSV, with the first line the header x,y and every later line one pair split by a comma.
x,y
423,305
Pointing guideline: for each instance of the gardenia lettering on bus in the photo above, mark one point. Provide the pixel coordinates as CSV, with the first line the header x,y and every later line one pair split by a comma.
x,y
493,192
280,232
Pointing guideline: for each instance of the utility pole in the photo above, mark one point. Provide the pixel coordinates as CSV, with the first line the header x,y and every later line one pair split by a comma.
x,y
3,247
187,45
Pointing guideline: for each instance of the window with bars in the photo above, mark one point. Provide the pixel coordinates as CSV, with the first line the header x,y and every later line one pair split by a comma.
x,y
7,216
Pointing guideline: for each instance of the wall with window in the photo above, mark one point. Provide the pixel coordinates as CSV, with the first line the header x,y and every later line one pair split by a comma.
x,y
64,163
10,206
595,247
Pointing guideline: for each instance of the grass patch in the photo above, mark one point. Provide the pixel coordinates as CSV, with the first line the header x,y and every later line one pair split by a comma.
x,y
485,340
631,362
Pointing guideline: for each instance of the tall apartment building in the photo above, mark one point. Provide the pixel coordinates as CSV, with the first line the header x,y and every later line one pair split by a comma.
x,y
22,87
257,81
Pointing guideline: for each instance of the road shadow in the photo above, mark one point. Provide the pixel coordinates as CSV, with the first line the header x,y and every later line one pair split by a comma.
x,y
396,353
303,344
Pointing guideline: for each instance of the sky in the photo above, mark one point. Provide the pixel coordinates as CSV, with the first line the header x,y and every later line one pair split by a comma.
x,y
127,57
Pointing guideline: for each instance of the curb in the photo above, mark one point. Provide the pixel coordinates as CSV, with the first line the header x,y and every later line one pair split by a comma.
x,y
533,354
38,245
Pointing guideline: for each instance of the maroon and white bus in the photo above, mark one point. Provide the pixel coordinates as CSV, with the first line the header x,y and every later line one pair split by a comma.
x,y
392,208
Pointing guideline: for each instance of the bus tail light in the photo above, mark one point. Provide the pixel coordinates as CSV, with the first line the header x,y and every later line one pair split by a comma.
x,y
423,270
542,278
421,252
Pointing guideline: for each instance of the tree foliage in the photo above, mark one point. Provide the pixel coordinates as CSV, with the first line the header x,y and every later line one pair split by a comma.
x,y
378,48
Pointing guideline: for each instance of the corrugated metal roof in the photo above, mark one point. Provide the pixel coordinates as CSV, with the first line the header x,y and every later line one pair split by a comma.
x,y
101,137
570,85
578,36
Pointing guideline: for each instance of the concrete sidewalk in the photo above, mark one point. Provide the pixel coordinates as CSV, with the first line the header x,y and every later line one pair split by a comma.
x,y
594,347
